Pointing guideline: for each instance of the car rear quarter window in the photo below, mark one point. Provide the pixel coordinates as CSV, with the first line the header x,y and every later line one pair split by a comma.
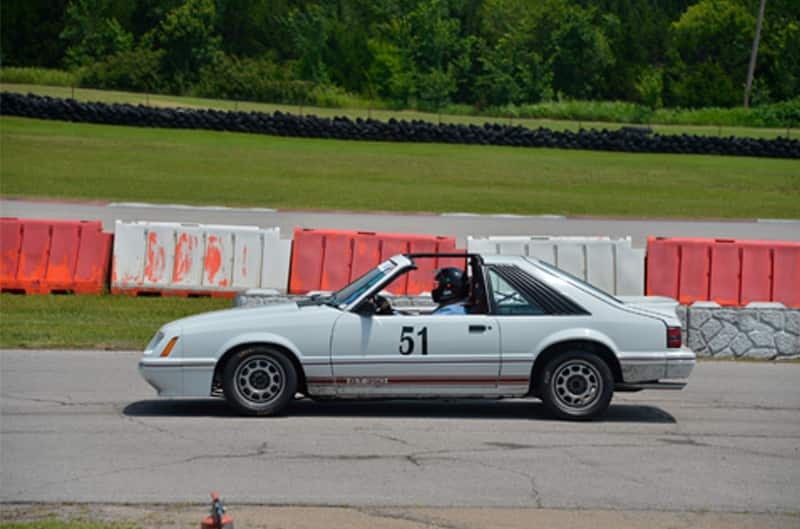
x,y
532,296
508,301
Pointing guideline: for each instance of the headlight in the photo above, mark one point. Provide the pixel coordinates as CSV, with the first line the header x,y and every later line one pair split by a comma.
x,y
154,342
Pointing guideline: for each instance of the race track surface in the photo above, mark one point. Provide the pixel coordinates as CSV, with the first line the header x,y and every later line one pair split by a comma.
x,y
82,426
458,225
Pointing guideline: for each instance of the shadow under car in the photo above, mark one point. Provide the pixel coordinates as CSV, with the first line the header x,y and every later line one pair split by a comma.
x,y
522,409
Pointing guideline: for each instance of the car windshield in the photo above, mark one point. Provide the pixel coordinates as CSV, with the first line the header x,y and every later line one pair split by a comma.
x,y
352,291
580,282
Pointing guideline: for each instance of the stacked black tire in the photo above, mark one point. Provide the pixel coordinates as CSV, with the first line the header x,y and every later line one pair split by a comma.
x,y
627,139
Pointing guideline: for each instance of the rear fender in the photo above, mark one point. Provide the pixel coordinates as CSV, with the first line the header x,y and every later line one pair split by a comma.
x,y
568,335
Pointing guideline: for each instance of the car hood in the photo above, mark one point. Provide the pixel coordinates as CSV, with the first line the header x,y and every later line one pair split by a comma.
x,y
656,305
237,314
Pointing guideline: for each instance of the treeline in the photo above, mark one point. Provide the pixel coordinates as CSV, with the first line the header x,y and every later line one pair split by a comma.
x,y
416,53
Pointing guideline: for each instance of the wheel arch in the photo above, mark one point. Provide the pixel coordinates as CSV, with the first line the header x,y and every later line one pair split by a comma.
x,y
219,368
593,346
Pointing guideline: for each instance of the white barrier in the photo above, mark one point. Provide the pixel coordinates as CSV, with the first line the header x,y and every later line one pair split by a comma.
x,y
609,264
197,258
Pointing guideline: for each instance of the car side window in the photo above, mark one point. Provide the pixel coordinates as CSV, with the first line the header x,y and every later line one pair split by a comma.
x,y
508,301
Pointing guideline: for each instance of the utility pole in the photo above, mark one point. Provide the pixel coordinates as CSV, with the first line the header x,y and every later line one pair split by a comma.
x,y
752,68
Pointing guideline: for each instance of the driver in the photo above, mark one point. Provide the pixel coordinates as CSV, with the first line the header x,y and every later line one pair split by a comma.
x,y
450,291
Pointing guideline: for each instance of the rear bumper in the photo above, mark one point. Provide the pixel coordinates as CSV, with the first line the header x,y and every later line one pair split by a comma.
x,y
672,365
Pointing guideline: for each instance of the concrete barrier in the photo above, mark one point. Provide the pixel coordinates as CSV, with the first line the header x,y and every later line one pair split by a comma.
x,y
197,259
612,265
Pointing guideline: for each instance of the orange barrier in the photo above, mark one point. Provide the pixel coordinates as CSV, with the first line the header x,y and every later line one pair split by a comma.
x,y
729,272
52,256
331,259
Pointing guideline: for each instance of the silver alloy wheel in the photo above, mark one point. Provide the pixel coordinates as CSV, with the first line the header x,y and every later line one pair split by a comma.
x,y
577,384
260,379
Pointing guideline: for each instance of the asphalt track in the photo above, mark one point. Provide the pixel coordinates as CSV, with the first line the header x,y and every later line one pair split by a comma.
x,y
81,426
458,225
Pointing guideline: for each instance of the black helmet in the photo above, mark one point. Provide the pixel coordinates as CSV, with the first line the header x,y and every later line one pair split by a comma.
x,y
450,285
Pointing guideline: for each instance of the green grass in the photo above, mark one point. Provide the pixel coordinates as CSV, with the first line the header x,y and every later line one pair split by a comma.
x,y
38,76
98,162
110,96
97,322
51,524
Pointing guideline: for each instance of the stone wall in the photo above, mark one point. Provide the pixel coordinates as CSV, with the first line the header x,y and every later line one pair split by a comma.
x,y
759,330
766,331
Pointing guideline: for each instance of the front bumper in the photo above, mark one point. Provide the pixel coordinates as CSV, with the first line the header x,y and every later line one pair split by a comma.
x,y
672,365
178,377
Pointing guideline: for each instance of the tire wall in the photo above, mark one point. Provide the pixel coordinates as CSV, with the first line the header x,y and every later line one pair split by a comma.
x,y
281,124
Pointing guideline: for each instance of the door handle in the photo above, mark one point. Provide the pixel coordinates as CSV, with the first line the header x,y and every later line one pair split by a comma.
x,y
477,328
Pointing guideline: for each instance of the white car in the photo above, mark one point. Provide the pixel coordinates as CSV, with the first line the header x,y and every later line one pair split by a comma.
x,y
531,330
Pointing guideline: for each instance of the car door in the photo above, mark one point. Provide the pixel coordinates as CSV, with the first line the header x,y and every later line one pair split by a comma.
x,y
421,355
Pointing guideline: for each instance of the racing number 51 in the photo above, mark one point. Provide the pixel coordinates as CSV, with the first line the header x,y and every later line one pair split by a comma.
x,y
407,340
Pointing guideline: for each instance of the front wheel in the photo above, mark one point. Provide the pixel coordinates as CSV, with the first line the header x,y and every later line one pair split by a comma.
x,y
576,385
259,381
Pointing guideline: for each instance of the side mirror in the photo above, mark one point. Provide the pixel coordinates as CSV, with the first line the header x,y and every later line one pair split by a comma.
x,y
367,308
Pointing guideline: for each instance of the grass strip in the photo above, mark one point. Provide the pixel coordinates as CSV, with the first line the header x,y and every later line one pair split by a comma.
x,y
112,96
101,162
93,322
52,524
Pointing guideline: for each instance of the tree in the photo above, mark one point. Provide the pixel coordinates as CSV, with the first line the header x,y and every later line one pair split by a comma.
x,y
29,33
437,51
309,30
580,55
711,48
91,34
186,35
512,73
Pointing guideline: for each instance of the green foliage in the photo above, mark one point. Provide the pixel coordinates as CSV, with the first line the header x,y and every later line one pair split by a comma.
x,y
420,53
782,114
712,40
187,38
779,52
434,88
138,70
650,86
608,111
29,33
251,80
90,35
580,55
308,29
513,74
39,76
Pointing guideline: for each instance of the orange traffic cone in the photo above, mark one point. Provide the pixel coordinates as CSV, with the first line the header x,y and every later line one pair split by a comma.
x,y
217,519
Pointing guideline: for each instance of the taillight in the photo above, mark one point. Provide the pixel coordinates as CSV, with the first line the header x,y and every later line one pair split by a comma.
x,y
673,337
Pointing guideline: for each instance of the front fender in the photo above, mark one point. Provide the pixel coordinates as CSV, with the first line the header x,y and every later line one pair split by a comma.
x,y
568,335
259,337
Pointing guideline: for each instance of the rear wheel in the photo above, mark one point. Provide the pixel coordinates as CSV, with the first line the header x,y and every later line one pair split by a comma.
x,y
576,385
259,381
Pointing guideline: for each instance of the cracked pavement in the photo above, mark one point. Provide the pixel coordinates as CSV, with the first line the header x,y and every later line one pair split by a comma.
x,y
81,426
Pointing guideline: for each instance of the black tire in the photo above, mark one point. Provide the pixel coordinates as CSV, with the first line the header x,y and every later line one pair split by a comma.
x,y
576,385
259,381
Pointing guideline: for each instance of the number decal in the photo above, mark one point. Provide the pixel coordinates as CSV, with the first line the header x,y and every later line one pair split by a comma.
x,y
423,333
407,340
